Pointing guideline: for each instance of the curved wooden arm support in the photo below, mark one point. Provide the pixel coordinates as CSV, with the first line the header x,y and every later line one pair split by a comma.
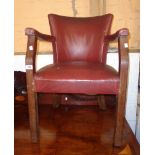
x,y
122,37
30,61
30,69
119,33
40,36
33,36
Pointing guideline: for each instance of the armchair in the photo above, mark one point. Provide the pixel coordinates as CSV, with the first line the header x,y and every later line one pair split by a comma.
x,y
79,49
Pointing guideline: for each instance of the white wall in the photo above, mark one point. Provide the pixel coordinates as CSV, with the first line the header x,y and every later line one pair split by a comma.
x,y
112,59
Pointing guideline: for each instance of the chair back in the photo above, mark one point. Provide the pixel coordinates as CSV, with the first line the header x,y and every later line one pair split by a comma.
x,y
80,38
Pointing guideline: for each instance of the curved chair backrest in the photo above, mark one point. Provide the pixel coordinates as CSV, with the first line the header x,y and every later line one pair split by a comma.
x,y
79,38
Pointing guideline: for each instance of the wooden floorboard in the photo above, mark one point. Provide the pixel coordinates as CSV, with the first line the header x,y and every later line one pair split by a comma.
x,y
71,130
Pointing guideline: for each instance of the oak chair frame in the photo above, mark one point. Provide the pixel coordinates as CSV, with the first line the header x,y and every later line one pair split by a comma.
x,y
121,36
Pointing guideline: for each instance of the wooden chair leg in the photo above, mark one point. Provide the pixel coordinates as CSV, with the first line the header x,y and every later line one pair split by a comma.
x,y
56,100
120,116
101,102
33,115
123,73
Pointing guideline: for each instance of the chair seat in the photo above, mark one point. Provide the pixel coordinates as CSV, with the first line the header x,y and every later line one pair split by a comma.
x,y
77,77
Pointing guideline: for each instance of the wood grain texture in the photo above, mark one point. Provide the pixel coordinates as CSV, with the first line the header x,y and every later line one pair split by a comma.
x,y
32,96
121,102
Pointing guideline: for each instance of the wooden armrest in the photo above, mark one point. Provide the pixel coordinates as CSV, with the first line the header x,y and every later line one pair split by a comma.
x,y
115,36
40,36
33,36
122,37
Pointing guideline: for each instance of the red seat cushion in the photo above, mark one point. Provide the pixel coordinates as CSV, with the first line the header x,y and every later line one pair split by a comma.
x,y
77,77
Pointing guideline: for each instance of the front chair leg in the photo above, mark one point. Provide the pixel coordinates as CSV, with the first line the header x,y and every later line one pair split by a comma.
x,y
120,116
33,115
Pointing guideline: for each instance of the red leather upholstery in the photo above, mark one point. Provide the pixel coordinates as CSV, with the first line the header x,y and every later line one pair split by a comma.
x,y
77,77
80,39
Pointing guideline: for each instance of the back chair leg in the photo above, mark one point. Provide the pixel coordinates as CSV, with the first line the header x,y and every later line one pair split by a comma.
x,y
33,113
120,116
101,102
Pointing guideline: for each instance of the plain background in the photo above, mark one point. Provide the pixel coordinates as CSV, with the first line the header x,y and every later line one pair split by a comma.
x,y
147,77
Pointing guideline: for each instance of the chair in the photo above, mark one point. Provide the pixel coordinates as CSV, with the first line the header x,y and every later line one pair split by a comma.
x,y
79,48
